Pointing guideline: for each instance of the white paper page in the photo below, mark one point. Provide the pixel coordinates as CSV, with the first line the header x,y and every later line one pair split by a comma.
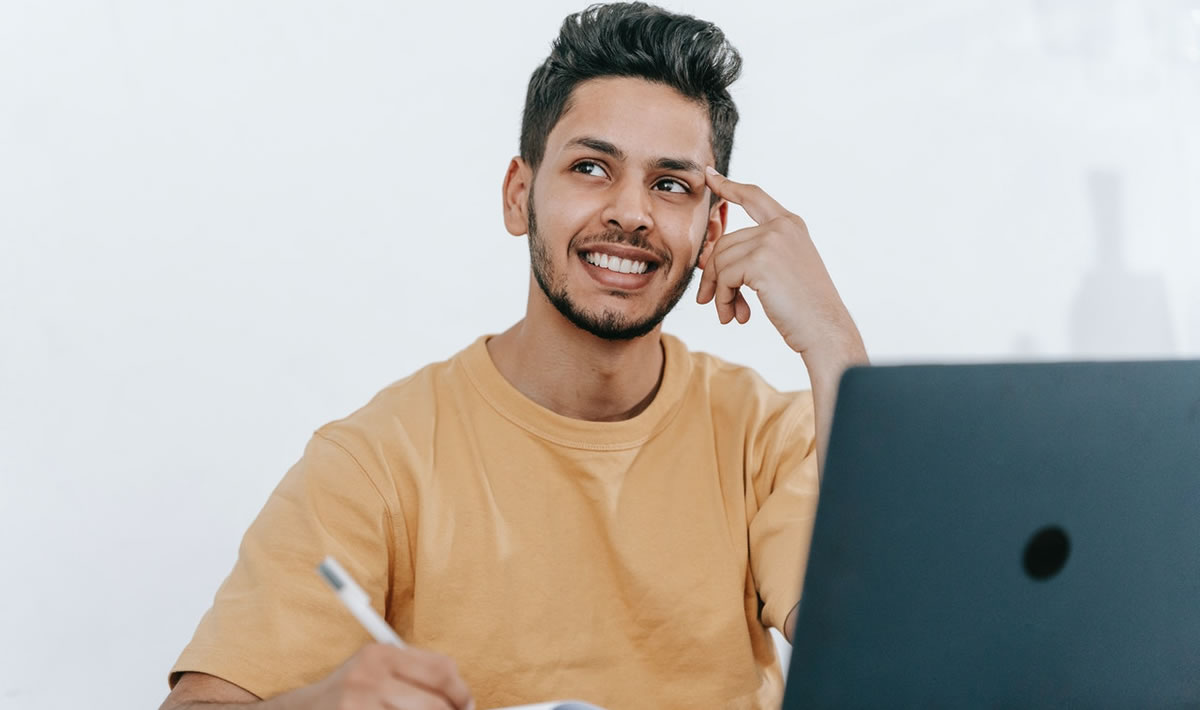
x,y
555,705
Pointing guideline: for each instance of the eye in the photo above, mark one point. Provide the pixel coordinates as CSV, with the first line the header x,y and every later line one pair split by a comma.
x,y
586,164
585,167
684,188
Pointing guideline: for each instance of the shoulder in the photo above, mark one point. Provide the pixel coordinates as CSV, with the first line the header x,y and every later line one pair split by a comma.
x,y
773,430
401,415
738,392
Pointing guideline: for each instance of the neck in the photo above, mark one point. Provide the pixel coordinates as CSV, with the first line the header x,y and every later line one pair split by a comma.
x,y
574,373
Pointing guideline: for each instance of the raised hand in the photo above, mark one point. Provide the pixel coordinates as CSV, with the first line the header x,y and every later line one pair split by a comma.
x,y
778,260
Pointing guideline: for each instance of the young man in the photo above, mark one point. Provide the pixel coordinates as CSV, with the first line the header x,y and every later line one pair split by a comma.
x,y
578,506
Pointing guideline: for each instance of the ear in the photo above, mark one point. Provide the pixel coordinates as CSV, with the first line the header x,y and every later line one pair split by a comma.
x,y
716,227
518,181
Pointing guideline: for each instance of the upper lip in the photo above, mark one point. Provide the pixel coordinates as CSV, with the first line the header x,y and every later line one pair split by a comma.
x,y
622,252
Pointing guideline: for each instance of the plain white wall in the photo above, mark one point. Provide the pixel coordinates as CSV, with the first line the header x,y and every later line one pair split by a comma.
x,y
223,224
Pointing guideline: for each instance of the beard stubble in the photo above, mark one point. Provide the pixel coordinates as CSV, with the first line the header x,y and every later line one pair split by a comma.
x,y
609,324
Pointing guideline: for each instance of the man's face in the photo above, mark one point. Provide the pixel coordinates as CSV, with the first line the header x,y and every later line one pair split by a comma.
x,y
618,212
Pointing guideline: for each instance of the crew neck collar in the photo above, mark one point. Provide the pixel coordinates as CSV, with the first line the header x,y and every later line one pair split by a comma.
x,y
513,405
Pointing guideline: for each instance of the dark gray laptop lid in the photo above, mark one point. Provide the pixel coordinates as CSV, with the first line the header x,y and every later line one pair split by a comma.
x,y
1006,536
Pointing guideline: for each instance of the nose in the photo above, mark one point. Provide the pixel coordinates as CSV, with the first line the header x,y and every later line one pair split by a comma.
x,y
629,208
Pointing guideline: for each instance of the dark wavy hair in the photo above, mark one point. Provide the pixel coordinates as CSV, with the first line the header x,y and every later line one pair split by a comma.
x,y
634,39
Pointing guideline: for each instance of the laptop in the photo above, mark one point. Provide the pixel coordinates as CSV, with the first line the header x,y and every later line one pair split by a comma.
x,y
1006,536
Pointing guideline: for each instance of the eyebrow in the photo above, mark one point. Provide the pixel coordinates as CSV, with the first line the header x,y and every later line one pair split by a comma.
x,y
608,148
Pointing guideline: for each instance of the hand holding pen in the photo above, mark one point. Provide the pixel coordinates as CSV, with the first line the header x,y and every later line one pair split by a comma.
x,y
386,675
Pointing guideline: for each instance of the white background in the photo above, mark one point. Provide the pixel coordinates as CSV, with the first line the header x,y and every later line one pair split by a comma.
x,y
223,224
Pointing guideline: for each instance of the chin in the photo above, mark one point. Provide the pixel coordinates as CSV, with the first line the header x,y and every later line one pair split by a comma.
x,y
630,307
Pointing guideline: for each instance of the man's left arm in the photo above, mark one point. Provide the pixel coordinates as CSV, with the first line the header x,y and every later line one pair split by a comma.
x,y
778,260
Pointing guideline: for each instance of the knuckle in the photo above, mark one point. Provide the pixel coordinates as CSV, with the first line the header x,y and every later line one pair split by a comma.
x,y
367,668
436,670
445,669
373,651
428,702
359,680
358,676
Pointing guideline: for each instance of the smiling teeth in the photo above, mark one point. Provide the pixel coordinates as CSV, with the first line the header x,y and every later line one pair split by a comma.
x,y
612,263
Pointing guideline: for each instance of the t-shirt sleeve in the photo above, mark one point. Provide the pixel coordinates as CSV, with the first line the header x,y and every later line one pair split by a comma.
x,y
275,624
785,488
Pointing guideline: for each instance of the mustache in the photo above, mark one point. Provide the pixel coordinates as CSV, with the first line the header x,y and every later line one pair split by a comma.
x,y
634,240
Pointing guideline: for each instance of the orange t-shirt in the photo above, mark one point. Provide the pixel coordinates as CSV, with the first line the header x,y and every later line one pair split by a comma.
x,y
629,564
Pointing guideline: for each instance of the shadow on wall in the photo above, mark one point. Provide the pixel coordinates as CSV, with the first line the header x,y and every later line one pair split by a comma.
x,y
1152,48
1117,312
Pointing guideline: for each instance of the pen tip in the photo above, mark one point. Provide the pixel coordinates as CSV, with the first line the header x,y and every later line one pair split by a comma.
x,y
329,575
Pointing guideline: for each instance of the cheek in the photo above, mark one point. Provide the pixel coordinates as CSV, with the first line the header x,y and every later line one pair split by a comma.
x,y
690,241
565,216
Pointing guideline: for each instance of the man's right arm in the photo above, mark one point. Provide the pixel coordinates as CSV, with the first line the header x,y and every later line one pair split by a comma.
x,y
377,677
215,694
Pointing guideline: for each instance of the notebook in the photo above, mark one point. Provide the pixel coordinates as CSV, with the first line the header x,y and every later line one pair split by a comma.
x,y
555,705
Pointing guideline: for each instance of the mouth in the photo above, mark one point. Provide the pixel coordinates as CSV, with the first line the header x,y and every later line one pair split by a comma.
x,y
624,271
618,264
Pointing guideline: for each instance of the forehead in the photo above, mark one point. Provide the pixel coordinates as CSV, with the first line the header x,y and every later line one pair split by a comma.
x,y
645,119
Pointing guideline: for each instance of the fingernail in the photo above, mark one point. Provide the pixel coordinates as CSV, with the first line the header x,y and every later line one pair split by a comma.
x,y
711,170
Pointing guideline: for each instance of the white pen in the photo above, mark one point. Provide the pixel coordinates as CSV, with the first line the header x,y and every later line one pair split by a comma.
x,y
357,601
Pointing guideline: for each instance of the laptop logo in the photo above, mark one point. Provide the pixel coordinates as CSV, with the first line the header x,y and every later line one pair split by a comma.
x,y
1046,553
